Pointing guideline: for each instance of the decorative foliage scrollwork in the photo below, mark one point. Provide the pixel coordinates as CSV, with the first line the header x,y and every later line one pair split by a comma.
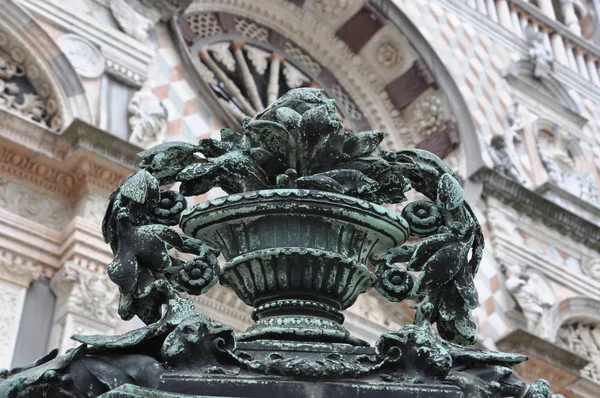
x,y
136,227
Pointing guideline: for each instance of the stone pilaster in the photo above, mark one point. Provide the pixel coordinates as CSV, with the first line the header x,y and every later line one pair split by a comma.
x,y
86,303
16,274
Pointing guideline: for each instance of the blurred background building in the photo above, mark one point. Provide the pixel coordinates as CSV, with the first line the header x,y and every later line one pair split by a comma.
x,y
506,91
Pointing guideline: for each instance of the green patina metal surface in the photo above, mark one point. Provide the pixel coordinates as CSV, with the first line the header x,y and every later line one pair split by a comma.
x,y
303,234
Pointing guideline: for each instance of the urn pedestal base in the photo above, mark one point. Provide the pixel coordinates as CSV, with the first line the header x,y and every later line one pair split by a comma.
x,y
337,366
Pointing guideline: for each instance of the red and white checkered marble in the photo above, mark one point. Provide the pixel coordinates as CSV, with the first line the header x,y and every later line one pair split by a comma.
x,y
189,119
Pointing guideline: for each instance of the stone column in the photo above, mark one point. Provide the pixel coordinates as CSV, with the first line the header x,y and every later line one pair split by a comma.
x,y
15,276
570,18
503,12
86,303
558,49
547,8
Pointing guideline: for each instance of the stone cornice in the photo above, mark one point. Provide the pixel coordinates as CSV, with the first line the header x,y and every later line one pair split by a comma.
x,y
506,249
551,103
83,159
537,207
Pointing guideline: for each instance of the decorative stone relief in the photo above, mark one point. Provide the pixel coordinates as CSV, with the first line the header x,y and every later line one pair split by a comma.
x,y
85,293
331,7
130,21
503,224
531,291
204,24
92,208
258,58
501,158
251,29
583,339
23,88
33,206
148,118
64,180
555,153
429,115
388,54
220,51
85,301
18,270
83,55
11,297
293,77
592,268
31,105
539,53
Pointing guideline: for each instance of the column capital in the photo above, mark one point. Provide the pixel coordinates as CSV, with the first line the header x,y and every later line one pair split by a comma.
x,y
85,293
18,270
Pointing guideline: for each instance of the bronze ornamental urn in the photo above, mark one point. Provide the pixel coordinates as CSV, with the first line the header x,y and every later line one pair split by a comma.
x,y
303,231
297,256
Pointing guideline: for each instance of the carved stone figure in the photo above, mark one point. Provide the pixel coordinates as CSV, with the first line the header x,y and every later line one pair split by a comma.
x,y
130,21
148,118
503,161
502,147
539,53
556,158
531,291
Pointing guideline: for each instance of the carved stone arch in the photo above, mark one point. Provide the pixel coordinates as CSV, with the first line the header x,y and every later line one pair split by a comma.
x,y
577,328
471,144
572,309
374,73
45,67
548,85
543,124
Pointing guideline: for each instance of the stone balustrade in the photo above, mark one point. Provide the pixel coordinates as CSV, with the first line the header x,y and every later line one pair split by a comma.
x,y
562,30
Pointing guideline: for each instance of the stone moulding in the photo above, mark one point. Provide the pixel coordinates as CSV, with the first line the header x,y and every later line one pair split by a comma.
x,y
536,206
304,234
65,166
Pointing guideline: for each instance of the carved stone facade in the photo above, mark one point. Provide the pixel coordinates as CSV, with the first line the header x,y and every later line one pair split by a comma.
x,y
517,123
86,303
584,339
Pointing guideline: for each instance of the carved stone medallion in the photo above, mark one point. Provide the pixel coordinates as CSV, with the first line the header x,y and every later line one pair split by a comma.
x,y
83,55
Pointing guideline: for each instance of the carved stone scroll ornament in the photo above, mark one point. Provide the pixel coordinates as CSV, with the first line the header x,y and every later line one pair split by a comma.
x,y
303,234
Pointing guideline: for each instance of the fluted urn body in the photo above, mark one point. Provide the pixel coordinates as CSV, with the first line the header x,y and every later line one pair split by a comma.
x,y
298,257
